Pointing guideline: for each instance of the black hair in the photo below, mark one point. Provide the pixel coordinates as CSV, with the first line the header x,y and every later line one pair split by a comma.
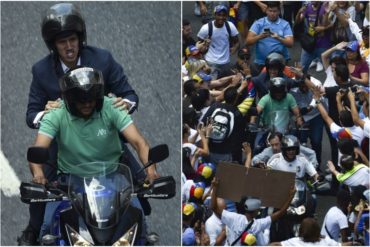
x,y
347,162
343,198
189,87
338,60
230,95
187,169
273,4
310,230
357,194
341,70
275,134
347,146
199,98
185,22
346,119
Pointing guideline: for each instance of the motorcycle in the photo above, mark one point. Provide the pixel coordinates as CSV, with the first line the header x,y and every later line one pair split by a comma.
x,y
95,206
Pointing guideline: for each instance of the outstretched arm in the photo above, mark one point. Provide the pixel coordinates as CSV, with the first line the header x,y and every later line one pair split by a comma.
x,y
214,205
356,118
278,214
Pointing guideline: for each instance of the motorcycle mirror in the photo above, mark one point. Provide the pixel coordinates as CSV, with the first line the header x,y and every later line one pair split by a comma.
x,y
49,240
37,154
158,153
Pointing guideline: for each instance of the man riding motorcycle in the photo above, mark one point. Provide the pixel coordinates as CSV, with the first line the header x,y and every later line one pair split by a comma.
x,y
85,127
64,33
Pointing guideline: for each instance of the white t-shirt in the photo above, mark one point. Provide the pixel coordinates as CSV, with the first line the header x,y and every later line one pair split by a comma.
x,y
213,228
356,132
299,242
300,166
361,177
367,127
219,48
329,81
335,220
237,224
185,190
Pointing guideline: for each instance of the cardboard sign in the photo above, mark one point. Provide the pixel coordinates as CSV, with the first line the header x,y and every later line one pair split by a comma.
x,y
270,186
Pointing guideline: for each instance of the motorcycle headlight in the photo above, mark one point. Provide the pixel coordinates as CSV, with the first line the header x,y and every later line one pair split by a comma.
x,y
76,239
128,238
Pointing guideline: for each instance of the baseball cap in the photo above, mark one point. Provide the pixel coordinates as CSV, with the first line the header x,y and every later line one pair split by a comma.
x,y
220,8
197,190
353,46
252,204
201,76
189,208
206,170
344,133
191,50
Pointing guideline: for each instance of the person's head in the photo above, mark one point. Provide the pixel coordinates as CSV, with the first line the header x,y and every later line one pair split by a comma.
x,y
192,51
275,64
343,199
278,88
188,212
230,95
252,206
346,145
189,87
309,231
221,12
290,147
353,51
365,35
202,80
200,98
196,192
273,10
347,162
341,74
345,118
186,29
187,168
207,172
64,32
274,141
337,57
357,194
343,4
83,91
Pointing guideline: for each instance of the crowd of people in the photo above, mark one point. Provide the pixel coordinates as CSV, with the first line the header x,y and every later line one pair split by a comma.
x,y
245,101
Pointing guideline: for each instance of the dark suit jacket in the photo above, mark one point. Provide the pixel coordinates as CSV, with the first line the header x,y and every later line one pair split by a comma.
x,y
46,72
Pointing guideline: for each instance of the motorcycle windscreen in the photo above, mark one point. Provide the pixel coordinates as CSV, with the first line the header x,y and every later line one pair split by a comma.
x,y
278,120
101,192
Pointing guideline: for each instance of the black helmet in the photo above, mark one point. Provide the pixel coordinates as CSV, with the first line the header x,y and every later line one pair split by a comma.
x,y
278,88
289,142
275,60
59,19
81,85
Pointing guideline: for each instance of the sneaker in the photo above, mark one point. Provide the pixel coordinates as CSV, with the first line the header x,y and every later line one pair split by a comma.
x,y
28,237
319,67
313,64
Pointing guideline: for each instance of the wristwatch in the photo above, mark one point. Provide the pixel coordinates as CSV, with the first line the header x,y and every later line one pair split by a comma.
x,y
318,101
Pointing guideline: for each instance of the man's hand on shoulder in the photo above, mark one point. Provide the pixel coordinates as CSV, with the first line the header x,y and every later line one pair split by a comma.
x,y
52,105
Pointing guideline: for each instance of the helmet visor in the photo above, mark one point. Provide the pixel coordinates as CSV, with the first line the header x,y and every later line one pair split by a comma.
x,y
83,78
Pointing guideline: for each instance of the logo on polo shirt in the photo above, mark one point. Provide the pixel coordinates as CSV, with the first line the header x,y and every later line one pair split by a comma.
x,y
102,132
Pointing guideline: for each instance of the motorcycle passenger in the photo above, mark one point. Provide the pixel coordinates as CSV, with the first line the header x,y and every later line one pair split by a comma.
x,y
290,160
275,67
64,33
274,147
86,122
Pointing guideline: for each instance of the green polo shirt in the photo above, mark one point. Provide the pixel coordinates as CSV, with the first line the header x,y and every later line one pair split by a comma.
x,y
81,141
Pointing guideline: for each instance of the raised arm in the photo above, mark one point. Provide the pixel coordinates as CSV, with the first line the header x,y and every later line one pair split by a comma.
x,y
214,205
278,214
356,118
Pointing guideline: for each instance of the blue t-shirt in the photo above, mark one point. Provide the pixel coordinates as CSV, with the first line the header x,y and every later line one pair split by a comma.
x,y
267,45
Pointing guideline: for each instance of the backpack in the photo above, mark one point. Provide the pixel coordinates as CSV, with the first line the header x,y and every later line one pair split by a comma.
x,y
210,29
222,125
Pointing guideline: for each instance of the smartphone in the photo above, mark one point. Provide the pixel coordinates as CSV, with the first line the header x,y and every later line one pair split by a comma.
x,y
267,30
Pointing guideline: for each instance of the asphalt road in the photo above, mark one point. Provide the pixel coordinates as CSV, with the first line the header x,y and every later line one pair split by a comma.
x,y
145,38
323,202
